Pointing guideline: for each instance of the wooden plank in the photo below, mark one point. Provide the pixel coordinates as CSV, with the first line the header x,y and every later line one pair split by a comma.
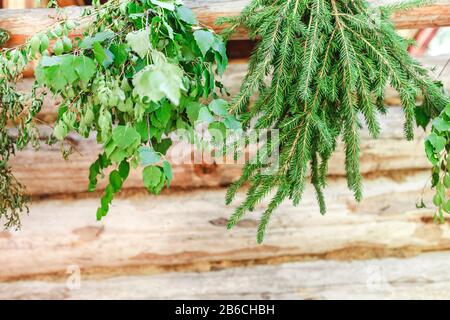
x,y
19,4
422,277
186,231
46,173
236,72
25,22
438,69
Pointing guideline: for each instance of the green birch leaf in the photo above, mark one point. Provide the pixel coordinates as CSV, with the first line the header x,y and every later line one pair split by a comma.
x,y
124,136
438,142
118,155
169,29
158,81
139,42
102,36
147,84
437,200
142,128
441,125
163,114
44,43
447,110
422,119
219,107
219,46
163,146
148,156
167,168
69,70
103,56
447,180
192,110
115,181
124,169
165,4
120,53
109,148
35,43
50,61
204,39
447,206
67,44
85,67
60,131
186,14
54,77
220,55
218,131
151,177
232,123
205,116
58,47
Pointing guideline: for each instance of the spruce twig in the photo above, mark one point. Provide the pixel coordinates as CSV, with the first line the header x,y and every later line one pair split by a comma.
x,y
327,62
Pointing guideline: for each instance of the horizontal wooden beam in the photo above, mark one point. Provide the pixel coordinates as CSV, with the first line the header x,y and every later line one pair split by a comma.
x,y
432,16
420,277
145,234
46,173
235,74
23,23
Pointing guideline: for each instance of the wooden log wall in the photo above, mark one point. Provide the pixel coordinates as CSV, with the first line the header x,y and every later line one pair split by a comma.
x,y
186,231
389,153
24,23
438,66
46,173
420,277
176,246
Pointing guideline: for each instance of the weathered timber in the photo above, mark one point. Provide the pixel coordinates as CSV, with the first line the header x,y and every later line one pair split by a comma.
x,y
186,231
46,173
236,72
23,23
422,277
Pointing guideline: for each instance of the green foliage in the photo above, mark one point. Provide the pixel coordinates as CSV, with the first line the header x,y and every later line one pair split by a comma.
x,y
204,40
148,156
186,15
144,68
4,36
128,81
327,62
14,109
158,81
437,148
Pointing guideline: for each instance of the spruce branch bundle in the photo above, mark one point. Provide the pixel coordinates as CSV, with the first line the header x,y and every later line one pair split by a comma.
x,y
328,62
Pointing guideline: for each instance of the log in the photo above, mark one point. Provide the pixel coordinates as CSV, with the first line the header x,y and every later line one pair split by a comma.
x,y
236,72
23,23
46,173
421,277
186,231
438,66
